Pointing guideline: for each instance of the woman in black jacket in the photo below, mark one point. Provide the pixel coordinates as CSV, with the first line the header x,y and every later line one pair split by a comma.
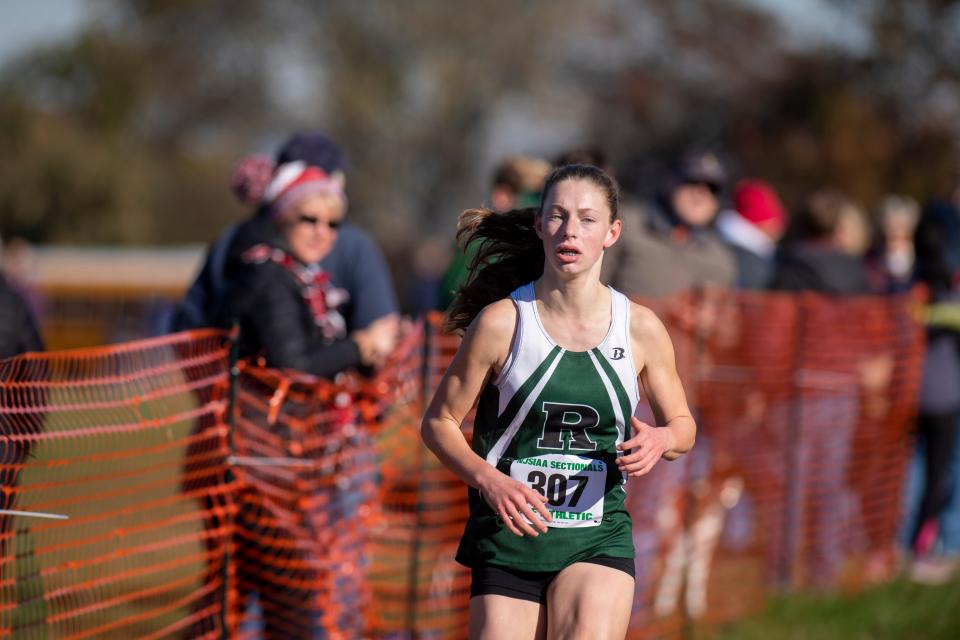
x,y
290,315
286,305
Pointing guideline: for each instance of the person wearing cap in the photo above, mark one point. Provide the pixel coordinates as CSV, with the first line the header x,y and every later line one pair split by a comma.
x,y
752,229
669,245
353,262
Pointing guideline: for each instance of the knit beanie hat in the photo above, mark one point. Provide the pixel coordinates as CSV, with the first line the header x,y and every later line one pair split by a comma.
x,y
253,174
758,203
295,181
313,148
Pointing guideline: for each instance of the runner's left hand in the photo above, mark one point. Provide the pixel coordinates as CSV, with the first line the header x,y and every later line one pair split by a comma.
x,y
645,448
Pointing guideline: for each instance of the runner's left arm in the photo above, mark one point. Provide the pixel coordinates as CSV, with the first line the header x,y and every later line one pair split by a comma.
x,y
675,429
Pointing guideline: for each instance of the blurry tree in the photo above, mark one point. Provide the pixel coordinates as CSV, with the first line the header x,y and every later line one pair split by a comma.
x,y
411,89
123,135
873,119
127,133
822,124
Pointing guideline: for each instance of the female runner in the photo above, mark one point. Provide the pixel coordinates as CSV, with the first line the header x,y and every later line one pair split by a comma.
x,y
555,359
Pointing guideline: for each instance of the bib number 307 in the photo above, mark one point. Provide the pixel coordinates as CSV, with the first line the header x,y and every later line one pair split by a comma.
x,y
573,486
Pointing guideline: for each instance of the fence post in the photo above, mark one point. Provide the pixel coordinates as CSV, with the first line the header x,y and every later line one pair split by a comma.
x,y
793,492
234,374
697,368
420,460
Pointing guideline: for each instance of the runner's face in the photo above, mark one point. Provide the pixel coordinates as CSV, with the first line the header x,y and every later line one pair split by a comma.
x,y
310,226
575,226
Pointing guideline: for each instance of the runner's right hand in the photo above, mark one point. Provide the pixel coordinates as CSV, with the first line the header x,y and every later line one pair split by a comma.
x,y
515,503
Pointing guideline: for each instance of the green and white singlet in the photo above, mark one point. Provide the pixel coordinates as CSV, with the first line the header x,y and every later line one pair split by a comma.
x,y
552,419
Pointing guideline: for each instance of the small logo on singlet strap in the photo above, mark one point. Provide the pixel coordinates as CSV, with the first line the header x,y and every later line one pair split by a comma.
x,y
618,353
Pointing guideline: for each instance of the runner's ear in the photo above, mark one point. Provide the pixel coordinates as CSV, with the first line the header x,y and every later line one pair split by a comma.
x,y
613,234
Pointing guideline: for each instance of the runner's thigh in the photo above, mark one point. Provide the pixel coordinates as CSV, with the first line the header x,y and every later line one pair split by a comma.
x,y
589,601
495,617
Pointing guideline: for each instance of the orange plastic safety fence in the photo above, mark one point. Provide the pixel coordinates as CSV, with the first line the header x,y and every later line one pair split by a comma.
x,y
857,378
322,469
432,510
111,461
319,513
803,405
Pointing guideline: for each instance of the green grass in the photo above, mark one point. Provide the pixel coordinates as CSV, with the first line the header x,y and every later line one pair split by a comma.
x,y
894,611
130,531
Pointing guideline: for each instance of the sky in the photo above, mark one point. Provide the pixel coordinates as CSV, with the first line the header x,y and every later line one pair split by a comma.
x,y
812,22
30,23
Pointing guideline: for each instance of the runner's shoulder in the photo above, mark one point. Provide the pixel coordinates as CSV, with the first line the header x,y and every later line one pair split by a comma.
x,y
492,329
645,324
497,319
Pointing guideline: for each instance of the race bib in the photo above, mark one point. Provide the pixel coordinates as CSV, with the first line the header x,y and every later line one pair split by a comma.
x,y
573,486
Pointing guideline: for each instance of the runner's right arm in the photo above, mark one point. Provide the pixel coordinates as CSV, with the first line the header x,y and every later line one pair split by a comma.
x,y
484,349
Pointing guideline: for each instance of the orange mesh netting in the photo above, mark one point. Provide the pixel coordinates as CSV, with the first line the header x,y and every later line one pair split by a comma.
x,y
804,405
102,437
431,519
857,379
313,509
311,544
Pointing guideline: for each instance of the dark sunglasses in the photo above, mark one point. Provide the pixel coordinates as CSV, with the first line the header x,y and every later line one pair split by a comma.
x,y
317,222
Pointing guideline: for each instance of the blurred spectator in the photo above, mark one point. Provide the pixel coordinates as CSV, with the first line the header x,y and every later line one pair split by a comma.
x,y
824,255
18,326
669,245
593,156
752,229
429,259
517,182
18,334
516,185
950,522
353,263
287,305
821,255
18,330
18,265
890,264
289,310
854,234
939,404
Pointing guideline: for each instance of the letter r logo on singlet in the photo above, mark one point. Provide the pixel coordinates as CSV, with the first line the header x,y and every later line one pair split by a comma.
x,y
572,420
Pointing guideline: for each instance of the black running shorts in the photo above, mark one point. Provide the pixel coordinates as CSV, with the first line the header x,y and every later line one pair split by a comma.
x,y
530,585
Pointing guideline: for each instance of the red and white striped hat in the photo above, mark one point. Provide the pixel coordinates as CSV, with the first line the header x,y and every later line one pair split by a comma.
x,y
293,181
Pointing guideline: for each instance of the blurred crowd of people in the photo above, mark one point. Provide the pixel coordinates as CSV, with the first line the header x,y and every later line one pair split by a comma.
x,y
312,292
